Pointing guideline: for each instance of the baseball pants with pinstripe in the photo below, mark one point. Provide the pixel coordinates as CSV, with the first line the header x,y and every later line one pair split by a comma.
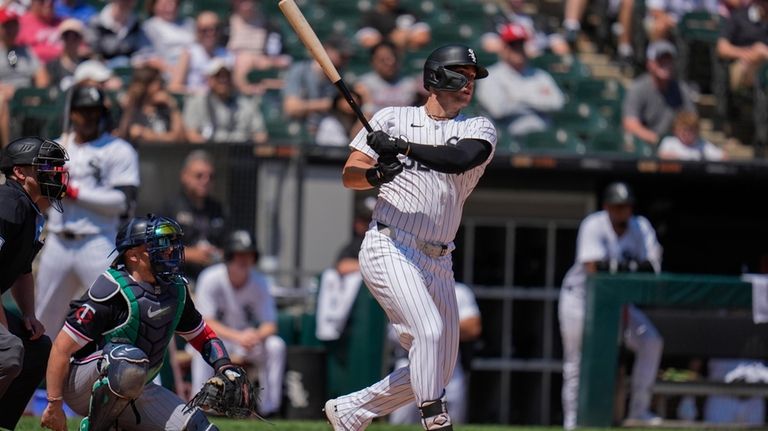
x,y
159,409
417,293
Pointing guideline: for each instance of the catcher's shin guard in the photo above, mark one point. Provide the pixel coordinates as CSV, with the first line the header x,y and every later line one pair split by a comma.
x,y
199,422
434,415
122,381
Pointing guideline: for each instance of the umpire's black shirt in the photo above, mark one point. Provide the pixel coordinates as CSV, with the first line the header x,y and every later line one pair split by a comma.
x,y
20,226
204,223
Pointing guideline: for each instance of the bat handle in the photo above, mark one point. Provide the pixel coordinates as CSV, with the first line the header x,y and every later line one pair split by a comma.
x,y
344,90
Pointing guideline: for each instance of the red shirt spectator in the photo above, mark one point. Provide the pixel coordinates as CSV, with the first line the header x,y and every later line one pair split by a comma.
x,y
39,30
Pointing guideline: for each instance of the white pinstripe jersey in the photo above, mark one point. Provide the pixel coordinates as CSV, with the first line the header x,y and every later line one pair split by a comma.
x,y
423,202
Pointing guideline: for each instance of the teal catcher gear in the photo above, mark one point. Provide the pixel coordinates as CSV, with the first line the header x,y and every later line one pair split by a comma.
x,y
162,237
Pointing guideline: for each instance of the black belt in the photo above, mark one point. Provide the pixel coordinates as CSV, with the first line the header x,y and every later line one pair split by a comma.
x,y
72,236
429,248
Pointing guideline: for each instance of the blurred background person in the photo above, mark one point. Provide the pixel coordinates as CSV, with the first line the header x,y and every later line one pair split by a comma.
x,y
59,72
385,85
686,142
102,188
39,30
541,39
115,34
662,16
744,41
235,301
222,114
199,213
387,20
520,96
341,124
80,10
456,392
169,33
655,97
189,74
150,114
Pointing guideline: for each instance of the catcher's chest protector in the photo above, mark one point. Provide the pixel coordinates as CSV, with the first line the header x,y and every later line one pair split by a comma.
x,y
152,318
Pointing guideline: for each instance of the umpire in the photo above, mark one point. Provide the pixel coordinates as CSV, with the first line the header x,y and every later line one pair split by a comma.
x,y
33,171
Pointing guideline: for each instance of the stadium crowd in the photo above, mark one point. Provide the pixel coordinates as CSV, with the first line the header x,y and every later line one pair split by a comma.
x,y
195,71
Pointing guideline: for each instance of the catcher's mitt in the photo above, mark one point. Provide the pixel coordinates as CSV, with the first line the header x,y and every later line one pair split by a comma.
x,y
228,392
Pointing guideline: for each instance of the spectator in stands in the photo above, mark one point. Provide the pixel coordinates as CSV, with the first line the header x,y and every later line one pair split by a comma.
x,y
744,40
686,143
612,240
60,71
115,34
540,41
307,93
200,214
340,125
18,68
235,301
222,114
384,85
521,96
657,96
726,410
168,33
150,113
662,16
80,10
188,76
574,12
255,41
387,20
39,30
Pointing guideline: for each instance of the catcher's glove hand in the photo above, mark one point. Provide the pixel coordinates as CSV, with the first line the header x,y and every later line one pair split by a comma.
x,y
228,392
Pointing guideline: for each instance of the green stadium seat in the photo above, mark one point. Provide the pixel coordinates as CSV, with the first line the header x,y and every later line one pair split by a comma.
x,y
582,119
566,70
611,142
699,26
37,111
605,95
556,141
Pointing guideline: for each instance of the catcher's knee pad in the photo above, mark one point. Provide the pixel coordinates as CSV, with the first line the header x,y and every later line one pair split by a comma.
x,y
121,382
199,422
434,415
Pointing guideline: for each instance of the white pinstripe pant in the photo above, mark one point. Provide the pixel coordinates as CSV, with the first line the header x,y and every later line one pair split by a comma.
x,y
417,293
159,408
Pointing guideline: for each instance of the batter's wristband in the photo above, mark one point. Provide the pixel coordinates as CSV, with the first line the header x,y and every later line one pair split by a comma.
x,y
373,176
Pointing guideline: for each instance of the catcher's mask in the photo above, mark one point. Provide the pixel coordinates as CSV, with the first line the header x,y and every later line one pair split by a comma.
x,y
162,236
48,158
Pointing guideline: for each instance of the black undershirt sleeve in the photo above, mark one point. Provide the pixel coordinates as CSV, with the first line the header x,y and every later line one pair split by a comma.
x,y
465,155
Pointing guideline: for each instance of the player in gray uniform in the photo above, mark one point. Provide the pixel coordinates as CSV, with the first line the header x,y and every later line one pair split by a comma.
x,y
611,240
425,160
113,342
103,179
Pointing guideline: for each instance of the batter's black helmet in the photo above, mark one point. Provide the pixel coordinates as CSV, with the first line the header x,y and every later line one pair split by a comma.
x,y
87,97
240,241
45,155
618,193
438,77
159,234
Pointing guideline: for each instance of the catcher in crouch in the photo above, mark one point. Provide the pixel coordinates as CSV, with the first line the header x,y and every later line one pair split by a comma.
x,y
112,345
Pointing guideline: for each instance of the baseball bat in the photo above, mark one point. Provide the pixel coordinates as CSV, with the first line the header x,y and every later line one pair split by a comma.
x,y
309,38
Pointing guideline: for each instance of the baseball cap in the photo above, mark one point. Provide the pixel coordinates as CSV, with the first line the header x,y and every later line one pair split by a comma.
x,y
87,97
91,70
6,15
71,24
660,48
513,32
216,65
618,193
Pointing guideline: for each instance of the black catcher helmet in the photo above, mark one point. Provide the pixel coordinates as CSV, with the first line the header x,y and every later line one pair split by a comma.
x,y
240,241
162,235
436,75
45,155
618,193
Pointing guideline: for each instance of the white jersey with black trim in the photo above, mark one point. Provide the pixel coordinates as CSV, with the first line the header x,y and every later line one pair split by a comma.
x,y
421,201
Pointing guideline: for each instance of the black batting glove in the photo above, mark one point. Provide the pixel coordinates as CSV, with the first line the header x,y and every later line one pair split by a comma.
x,y
385,171
383,143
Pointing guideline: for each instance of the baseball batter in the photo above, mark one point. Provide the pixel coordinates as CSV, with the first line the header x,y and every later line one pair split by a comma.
x,y
117,334
103,179
426,161
611,240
